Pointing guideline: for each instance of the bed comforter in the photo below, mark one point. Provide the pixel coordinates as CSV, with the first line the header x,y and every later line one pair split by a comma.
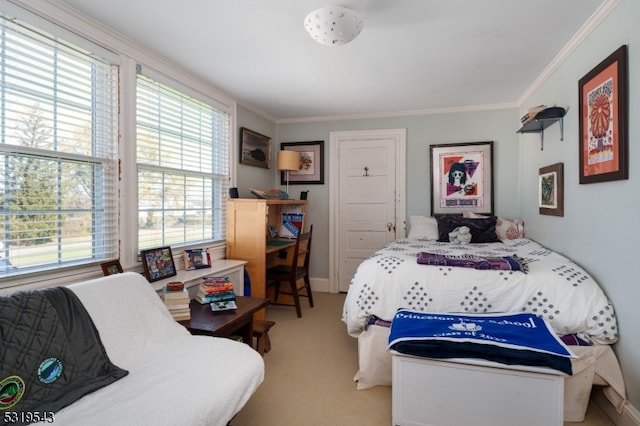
x,y
553,287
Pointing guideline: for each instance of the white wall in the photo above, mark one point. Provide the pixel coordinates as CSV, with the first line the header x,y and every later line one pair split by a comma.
x,y
600,228
251,176
495,125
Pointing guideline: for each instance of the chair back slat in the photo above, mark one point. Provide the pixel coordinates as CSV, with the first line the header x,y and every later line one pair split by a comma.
x,y
302,252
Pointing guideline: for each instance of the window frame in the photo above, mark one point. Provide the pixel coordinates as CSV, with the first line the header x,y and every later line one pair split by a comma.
x,y
100,155
62,20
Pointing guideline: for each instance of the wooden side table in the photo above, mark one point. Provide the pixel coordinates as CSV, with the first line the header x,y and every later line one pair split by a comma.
x,y
225,323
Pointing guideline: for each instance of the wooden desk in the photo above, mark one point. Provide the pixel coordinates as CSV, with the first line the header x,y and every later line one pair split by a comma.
x,y
247,233
282,244
225,323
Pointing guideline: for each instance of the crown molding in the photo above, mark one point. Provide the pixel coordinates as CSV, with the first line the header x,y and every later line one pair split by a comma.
x,y
392,114
592,23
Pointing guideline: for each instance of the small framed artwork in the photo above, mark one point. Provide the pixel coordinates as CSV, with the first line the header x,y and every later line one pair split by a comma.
x,y
311,163
158,263
110,268
197,259
255,149
603,115
551,190
462,178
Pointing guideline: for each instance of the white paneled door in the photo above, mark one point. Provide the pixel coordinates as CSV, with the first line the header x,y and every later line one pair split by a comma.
x,y
368,187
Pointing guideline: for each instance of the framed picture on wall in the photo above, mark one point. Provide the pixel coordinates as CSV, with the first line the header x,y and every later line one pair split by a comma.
x,y
603,115
311,163
551,190
462,178
255,149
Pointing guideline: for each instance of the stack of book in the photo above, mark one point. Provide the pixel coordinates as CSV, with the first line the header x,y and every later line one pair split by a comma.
x,y
177,301
218,291
531,114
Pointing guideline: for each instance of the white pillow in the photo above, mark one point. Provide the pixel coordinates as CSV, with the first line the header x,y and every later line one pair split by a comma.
x,y
423,227
506,229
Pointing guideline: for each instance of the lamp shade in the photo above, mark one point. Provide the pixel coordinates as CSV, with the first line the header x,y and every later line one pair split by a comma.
x,y
333,25
288,160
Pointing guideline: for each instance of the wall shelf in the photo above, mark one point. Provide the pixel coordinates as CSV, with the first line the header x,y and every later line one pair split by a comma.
x,y
544,119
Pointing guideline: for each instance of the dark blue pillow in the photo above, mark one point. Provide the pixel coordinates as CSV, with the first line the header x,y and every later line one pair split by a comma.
x,y
482,230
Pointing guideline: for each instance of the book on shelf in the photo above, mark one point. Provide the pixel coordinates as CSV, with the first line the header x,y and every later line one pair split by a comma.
x,y
215,289
215,279
177,306
179,294
182,316
531,114
196,259
218,297
215,284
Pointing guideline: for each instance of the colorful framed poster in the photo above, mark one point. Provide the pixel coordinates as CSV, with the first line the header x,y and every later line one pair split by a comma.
x,y
311,163
551,190
462,178
158,263
603,126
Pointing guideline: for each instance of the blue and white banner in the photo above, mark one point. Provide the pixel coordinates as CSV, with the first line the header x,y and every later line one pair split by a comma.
x,y
511,338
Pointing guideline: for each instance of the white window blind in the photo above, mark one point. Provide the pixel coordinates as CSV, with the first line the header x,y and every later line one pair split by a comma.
x,y
58,164
182,149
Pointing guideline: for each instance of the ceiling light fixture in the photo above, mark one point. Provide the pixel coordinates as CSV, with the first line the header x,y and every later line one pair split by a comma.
x,y
333,25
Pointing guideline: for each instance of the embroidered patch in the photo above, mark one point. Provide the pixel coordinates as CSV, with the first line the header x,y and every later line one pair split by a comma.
x,y
11,391
49,370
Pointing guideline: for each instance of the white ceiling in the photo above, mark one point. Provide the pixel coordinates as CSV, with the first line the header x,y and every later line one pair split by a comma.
x,y
412,55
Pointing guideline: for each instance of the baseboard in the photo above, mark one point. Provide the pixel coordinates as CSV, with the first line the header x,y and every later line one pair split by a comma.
x,y
321,285
630,416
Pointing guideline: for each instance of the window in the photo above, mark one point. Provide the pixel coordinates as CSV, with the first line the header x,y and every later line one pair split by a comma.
x,y
58,164
182,149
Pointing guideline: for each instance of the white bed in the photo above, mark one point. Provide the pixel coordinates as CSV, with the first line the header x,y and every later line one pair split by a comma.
x,y
554,288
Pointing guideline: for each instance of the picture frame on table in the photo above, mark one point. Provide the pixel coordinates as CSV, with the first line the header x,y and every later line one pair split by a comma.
x,y
196,259
255,149
158,263
462,178
551,190
603,120
311,163
111,268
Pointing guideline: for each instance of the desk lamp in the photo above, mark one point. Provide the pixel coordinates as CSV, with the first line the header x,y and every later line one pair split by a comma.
x,y
288,161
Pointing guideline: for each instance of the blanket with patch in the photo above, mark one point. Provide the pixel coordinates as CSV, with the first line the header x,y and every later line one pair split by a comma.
x,y
511,339
50,353
503,263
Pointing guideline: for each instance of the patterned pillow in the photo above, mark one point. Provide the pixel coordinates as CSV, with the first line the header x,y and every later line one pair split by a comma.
x,y
506,229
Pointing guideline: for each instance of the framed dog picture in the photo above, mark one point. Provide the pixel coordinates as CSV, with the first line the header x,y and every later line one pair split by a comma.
x,y
462,178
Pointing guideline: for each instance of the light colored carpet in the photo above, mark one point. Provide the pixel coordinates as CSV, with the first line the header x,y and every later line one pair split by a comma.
x,y
309,374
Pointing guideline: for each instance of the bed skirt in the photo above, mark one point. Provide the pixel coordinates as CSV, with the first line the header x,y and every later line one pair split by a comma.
x,y
596,365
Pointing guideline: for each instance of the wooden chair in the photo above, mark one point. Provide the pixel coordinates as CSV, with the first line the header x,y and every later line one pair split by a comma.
x,y
297,271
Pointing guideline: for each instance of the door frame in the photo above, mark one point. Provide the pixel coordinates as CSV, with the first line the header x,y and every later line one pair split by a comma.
x,y
335,138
